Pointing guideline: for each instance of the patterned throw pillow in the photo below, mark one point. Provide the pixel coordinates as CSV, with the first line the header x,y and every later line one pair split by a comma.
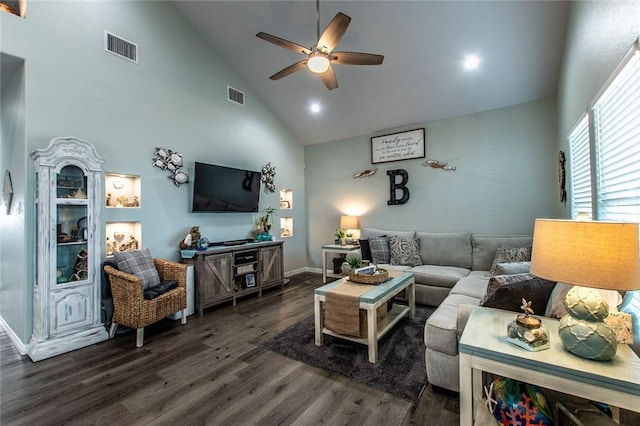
x,y
405,251
139,263
510,255
379,247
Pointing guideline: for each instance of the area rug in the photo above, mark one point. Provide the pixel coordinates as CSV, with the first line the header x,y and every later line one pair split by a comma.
x,y
400,369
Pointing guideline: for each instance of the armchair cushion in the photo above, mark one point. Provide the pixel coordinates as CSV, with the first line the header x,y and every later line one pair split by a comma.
x,y
139,263
160,289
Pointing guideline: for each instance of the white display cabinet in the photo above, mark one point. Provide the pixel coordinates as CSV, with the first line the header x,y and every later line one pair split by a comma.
x,y
67,287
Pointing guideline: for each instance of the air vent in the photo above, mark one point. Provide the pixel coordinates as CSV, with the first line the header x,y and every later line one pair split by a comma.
x,y
120,47
235,96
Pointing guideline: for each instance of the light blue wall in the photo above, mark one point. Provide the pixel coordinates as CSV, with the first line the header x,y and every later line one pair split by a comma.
x,y
598,36
506,176
15,297
175,97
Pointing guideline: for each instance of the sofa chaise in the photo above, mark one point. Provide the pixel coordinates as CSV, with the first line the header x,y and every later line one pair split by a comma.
x,y
454,272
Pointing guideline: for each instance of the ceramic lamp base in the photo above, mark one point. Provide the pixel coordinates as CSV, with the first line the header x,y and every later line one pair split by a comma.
x,y
588,339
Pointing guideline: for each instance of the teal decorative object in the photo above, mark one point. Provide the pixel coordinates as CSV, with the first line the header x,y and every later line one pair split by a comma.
x,y
520,404
203,243
588,339
264,236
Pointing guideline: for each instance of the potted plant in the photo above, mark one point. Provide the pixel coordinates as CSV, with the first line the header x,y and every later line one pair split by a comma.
x,y
264,223
340,235
352,261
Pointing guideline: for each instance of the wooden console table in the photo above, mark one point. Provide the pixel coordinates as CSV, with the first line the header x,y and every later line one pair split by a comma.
x,y
226,272
484,347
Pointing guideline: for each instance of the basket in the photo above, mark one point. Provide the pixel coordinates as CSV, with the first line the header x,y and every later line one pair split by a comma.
x,y
380,276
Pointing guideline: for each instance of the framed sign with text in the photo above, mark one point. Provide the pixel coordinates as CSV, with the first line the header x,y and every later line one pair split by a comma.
x,y
398,146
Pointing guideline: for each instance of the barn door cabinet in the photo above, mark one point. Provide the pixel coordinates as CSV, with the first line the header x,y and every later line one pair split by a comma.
x,y
66,291
224,273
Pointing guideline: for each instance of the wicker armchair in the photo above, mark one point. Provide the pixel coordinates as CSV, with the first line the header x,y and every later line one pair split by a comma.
x,y
131,309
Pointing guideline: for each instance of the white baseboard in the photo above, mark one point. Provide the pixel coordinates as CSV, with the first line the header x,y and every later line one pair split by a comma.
x,y
20,347
301,270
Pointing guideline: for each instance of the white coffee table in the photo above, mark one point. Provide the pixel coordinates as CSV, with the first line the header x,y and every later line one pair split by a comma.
x,y
370,301
484,347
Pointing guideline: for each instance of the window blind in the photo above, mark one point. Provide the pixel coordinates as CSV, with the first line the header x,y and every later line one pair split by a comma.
x,y
580,161
616,117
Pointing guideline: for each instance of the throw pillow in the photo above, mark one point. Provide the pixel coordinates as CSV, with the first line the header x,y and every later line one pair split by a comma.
x,y
379,249
513,268
509,297
405,251
510,255
139,263
365,250
502,280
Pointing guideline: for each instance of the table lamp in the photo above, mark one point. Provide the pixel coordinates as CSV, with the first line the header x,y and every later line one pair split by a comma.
x,y
349,224
590,255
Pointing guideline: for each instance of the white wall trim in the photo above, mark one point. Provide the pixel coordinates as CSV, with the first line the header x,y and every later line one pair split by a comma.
x,y
301,270
20,347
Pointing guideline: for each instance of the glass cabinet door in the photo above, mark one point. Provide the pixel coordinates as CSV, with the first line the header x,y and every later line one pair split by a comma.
x,y
71,225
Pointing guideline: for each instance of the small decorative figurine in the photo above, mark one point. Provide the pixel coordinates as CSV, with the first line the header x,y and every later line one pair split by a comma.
x,y
527,331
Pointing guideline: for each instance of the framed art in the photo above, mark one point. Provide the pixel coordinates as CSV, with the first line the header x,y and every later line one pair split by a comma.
x,y
250,280
284,204
398,146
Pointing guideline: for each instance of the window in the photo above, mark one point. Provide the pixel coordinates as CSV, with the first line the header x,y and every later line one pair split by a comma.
x,y
616,117
615,142
580,162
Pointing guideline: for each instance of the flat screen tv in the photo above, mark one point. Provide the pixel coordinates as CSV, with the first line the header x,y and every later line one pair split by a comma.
x,y
223,189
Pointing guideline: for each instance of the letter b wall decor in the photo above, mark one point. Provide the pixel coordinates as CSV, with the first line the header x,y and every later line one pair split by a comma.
x,y
394,187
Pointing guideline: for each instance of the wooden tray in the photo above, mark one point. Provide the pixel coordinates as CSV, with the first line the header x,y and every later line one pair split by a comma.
x,y
381,276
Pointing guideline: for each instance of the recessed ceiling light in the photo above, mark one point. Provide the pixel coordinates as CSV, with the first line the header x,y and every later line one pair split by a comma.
x,y
315,107
471,62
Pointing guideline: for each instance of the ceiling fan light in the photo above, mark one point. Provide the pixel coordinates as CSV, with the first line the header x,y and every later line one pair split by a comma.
x,y
318,63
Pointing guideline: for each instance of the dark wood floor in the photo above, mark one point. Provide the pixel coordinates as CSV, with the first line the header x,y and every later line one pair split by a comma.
x,y
209,371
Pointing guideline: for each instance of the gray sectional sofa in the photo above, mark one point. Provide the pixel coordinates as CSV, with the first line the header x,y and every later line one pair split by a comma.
x,y
453,276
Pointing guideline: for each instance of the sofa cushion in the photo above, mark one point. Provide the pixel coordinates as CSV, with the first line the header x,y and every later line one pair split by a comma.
x,y
509,296
439,276
405,251
485,247
474,285
445,248
440,331
502,280
379,247
374,232
510,255
139,263
160,289
513,268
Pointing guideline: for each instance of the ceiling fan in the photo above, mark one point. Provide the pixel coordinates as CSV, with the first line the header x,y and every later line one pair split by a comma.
x,y
321,56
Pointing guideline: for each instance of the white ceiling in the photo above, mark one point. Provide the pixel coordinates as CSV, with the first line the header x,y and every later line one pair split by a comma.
x,y
424,43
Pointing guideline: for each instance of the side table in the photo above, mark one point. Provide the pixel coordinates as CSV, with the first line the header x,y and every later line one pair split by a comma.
x,y
484,347
334,248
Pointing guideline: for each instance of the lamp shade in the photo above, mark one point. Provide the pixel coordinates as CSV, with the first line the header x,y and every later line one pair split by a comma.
x,y
592,254
349,222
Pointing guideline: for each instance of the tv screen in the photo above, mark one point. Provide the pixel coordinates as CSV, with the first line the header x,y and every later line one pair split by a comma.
x,y
225,189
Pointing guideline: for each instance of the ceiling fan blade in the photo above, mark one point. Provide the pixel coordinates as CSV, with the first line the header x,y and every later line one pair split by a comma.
x,y
289,70
334,32
356,58
329,79
283,43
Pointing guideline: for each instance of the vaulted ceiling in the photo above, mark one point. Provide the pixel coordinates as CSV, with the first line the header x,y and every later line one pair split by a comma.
x,y
520,45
